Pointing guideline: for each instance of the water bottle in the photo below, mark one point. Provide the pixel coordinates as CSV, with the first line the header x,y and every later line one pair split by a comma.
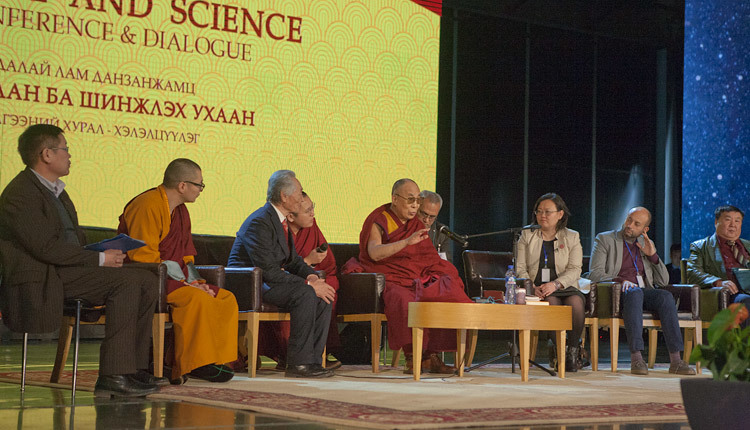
x,y
510,286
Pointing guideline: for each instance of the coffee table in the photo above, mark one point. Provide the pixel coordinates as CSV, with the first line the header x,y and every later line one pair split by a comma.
x,y
482,316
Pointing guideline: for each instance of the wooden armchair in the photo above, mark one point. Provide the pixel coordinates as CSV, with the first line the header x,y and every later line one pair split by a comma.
x,y
687,302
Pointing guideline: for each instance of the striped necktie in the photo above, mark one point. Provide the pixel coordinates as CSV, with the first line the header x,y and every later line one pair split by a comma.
x,y
737,254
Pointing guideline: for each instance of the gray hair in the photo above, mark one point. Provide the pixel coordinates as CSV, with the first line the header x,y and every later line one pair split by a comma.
x,y
432,197
281,181
401,182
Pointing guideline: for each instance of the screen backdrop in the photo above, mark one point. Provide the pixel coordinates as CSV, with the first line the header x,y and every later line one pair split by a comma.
x,y
342,92
716,116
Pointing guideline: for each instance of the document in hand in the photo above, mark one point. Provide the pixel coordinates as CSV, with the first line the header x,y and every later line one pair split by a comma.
x,y
122,241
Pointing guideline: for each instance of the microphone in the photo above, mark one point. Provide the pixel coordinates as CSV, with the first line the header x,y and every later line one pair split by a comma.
x,y
531,227
322,248
463,240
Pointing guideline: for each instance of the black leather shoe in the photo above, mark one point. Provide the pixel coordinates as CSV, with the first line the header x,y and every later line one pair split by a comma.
x,y
145,377
307,371
122,386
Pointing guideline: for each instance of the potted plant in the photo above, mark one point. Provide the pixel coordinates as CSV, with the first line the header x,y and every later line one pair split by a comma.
x,y
721,402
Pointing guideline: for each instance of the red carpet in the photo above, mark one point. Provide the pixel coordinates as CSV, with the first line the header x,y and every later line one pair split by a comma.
x,y
361,415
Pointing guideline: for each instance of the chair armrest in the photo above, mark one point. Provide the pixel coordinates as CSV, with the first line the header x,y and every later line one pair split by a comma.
x,y
246,283
605,300
712,300
591,302
359,293
687,297
160,270
213,275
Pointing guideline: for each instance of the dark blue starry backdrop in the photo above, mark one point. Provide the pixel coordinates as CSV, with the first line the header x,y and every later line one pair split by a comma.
x,y
716,119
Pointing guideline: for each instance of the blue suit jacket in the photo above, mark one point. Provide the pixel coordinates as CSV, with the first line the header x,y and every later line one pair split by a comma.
x,y
261,243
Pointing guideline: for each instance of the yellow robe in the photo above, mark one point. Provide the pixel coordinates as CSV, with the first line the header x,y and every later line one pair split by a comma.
x,y
205,327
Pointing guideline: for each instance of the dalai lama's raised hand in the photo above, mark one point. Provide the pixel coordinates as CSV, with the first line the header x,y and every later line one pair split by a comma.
x,y
418,236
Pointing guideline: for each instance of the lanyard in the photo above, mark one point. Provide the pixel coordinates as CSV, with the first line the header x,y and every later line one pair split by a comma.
x,y
544,248
632,258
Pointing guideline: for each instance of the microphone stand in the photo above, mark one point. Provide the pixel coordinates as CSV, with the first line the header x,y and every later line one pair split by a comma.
x,y
513,352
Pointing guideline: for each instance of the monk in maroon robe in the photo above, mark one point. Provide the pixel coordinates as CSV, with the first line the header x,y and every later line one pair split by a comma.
x,y
395,242
274,335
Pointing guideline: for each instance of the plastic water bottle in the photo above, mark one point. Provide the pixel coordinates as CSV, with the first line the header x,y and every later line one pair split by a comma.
x,y
510,286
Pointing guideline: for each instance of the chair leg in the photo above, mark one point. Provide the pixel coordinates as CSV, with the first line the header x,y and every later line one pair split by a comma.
x,y
614,341
687,344
23,361
251,336
594,344
652,337
376,330
396,358
75,351
63,347
157,336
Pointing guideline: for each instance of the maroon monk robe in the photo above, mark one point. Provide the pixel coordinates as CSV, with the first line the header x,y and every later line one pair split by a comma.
x,y
274,335
414,274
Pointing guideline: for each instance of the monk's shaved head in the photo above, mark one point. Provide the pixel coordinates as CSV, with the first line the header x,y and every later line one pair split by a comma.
x,y
179,170
400,183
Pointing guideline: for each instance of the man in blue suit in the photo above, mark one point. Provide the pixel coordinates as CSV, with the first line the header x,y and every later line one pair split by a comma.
x,y
288,282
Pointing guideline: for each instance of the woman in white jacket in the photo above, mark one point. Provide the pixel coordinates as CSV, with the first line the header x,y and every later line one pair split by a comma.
x,y
552,257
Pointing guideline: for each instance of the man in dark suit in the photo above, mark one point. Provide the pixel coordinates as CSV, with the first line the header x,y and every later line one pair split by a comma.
x,y
288,282
43,263
712,258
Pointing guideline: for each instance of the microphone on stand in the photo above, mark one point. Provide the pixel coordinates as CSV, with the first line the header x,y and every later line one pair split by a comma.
x,y
463,240
531,227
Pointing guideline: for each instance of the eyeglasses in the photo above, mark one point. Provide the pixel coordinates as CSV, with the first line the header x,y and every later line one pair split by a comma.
x,y
425,215
308,211
64,148
411,200
545,213
201,185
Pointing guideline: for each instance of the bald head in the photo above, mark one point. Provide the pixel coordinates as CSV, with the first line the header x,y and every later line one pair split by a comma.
x,y
400,184
636,223
641,209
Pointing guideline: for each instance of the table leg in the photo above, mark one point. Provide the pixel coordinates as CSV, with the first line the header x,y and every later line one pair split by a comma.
x,y
560,334
525,340
416,343
460,350
697,340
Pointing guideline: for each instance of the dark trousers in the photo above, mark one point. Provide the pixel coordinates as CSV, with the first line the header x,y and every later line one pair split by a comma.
x,y
130,298
744,299
637,300
310,318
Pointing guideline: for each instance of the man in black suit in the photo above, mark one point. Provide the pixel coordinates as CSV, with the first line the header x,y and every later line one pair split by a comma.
x,y
43,263
288,282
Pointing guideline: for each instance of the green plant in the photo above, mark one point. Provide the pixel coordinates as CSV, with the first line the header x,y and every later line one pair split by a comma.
x,y
727,354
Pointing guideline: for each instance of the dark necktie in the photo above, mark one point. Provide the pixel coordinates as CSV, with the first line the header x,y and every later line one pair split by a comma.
x,y
737,254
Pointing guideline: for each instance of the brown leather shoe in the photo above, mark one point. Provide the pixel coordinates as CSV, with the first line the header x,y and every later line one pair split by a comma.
x,y
409,368
436,365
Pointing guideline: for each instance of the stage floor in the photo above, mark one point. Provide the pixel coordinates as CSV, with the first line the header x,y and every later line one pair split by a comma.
x,y
46,408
